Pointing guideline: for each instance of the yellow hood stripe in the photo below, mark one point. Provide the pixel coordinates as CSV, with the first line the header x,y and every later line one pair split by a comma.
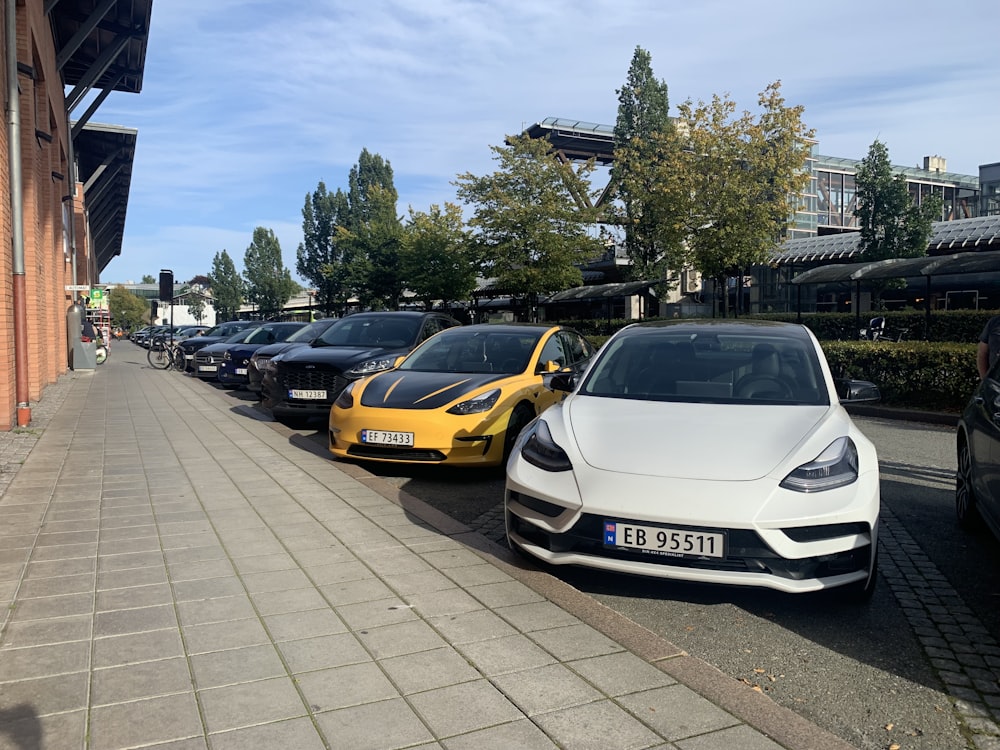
x,y
439,390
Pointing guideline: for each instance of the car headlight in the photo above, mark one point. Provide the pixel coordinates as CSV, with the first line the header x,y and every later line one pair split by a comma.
x,y
834,467
346,398
372,365
226,356
477,404
539,449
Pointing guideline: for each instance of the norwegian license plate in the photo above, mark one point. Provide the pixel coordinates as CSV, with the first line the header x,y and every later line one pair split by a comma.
x,y
663,540
241,371
307,395
383,437
188,356
208,368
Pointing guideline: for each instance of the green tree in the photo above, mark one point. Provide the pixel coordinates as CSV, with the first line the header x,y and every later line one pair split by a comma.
x,y
375,232
227,287
149,279
438,258
745,175
201,280
128,310
532,229
196,305
324,256
269,284
645,138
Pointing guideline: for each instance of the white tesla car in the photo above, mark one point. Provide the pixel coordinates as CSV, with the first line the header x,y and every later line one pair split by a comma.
x,y
714,451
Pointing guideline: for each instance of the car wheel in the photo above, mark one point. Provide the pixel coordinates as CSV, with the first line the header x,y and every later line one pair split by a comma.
x,y
966,508
518,420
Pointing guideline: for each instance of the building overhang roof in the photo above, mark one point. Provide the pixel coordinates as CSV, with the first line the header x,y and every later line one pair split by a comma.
x,y
898,268
599,291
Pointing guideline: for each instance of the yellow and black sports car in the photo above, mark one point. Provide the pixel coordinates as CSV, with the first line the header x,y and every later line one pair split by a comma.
x,y
460,398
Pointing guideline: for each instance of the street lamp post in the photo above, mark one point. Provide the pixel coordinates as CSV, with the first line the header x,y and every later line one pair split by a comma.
x,y
311,293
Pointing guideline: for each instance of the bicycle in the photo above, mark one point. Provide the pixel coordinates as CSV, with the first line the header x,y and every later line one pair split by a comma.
x,y
161,354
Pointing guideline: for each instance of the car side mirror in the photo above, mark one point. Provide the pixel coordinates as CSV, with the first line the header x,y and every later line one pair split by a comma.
x,y
857,391
559,381
548,366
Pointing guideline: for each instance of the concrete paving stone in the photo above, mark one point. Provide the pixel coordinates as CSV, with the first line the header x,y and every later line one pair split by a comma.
x,y
63,538
163,719
43,661
208,588
18,556
597,726
58,552
677,712
75,584
164,516
45,695
192,547
399,639
451,601
294,734
133,519
243,545
499,656
428,670
538,615
436,543
349,685
146,595
124,546
122,621
279,580
467,627
474,575
52,606
504,594
135,647
248,704
201,569
574,642
67,567
374,614
265,563
234,666
320,543
281,602
483,705
454,558
41,632
338,572
352,592
427,581
385,725
135,532
219,636
143,680
396,561
292,626
117,579
548,688
23,729
621,673
189,743
322,652
522,735
742,737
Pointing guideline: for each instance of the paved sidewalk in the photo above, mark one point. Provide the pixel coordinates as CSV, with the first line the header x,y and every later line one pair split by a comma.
x,y
177,572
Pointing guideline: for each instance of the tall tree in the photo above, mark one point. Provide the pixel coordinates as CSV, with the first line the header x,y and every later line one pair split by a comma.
x,y
745,175
324,257
651,213
438,258
196,305
149,279
375,231
532,228
891,224
200,280
227,287
128,310
269,284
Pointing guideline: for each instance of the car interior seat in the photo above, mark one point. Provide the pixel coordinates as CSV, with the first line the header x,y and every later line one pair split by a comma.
x,y
765,380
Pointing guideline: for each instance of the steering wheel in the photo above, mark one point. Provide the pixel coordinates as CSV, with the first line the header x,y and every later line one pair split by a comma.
x,y
762,386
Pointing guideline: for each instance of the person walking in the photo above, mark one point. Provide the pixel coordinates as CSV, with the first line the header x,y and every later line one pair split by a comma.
x,y
989,346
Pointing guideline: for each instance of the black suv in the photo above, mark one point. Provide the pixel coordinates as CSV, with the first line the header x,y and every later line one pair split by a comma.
x,y
302,383
221,332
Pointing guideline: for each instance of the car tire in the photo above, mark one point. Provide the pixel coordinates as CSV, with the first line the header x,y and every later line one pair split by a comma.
x,y
966,505
518,421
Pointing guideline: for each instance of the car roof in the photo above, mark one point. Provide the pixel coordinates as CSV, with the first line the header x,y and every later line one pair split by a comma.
x,y
718,326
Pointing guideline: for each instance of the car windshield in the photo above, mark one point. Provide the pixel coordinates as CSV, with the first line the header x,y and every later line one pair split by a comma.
x,y
309,332
475,351
754,367
383,332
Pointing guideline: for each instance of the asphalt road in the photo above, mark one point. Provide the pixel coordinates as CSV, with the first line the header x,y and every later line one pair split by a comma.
x,y
874,674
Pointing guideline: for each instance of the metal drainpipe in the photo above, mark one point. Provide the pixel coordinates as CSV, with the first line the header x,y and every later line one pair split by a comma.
x,y
16,217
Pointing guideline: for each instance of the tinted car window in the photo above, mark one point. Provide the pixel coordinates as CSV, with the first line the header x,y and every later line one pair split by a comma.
x,y
383,331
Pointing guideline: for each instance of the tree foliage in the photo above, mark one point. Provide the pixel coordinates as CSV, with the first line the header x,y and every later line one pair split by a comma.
x,y
645,139
324,257
227,287
149,279
128,310
375,232
196,305
269,284
437,256
531,225
891,224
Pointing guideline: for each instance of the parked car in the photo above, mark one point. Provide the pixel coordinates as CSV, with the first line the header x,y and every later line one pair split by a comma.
x,y
218,333
977,481
304,382
233,370
260,361
460,398
715,451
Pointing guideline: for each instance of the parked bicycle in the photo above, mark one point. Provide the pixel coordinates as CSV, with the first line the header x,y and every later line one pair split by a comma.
x,y
163,354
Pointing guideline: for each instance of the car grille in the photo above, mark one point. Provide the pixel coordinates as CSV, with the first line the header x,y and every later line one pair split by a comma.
x,y
399,454
207,358
312,380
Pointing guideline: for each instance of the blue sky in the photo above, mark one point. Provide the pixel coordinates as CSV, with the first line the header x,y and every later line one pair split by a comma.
x,y
247,105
